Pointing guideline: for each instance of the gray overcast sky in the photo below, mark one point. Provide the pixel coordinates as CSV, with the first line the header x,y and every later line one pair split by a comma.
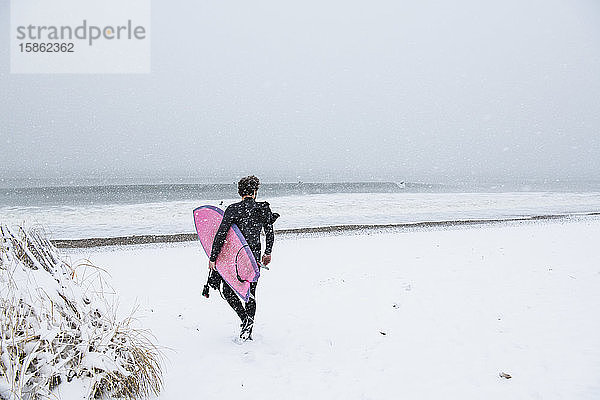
x,y
325,90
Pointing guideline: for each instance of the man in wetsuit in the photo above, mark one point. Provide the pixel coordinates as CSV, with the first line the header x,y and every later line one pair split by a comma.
x,y
251,217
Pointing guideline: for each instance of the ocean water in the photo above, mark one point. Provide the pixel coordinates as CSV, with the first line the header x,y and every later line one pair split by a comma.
x,y
138,194
109,211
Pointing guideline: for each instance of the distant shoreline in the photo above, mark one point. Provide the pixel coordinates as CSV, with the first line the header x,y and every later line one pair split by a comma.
x,y
332,229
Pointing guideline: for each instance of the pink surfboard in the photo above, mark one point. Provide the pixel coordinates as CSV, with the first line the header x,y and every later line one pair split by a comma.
x,y
235,263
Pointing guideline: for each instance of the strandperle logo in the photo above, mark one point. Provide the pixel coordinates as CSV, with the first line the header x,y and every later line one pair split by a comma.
x,y
85,31
80,36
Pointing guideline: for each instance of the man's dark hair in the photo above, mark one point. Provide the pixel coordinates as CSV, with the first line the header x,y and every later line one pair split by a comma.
x,y
247,185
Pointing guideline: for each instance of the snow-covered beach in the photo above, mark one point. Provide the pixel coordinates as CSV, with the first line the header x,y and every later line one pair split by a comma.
x,y
425,315
68,219
433,178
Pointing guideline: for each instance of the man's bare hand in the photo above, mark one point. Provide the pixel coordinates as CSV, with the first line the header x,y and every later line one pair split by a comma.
x,y
266,259
211,265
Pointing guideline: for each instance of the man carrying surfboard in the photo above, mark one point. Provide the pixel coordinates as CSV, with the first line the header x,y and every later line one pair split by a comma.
x,y
250,217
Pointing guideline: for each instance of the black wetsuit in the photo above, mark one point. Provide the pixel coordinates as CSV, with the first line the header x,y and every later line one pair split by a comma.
x,y
251,217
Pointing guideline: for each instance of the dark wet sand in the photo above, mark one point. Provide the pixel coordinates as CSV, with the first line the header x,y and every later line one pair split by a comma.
x,y
335,229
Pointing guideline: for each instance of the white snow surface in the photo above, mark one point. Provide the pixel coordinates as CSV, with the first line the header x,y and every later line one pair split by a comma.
x,y
431,314
110,220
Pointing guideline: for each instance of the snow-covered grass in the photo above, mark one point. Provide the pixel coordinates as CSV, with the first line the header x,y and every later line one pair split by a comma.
x,y
58,331
417,315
